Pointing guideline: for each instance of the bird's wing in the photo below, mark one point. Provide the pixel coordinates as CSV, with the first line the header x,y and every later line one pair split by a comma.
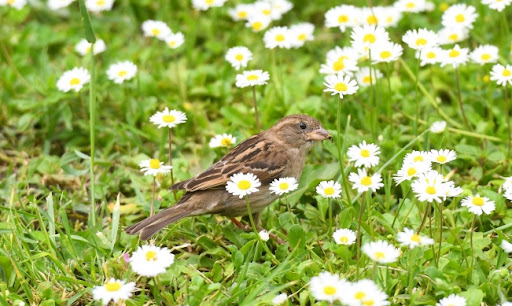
x,y
256,155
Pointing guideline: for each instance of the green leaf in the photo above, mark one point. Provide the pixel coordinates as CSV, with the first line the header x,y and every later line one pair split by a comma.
x,y
297,236
86,22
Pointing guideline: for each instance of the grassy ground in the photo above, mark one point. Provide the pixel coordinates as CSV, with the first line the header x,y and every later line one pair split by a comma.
x,y
52,254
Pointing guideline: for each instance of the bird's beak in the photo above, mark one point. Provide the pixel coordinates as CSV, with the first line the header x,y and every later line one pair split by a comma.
x,y
319,134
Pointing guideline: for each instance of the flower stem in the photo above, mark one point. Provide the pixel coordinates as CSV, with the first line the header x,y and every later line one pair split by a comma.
x,y
253,225
338,147
373,114
258,126
92,124
471,240
330,218
416,77
361,209
459,96
170,163
424,218
440,208
153,197
507,109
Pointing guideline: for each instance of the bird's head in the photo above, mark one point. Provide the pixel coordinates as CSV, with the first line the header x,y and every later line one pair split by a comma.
x,y
299,131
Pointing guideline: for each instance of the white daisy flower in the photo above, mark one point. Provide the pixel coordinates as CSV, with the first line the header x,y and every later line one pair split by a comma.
x,y
366,155
73,79
431,56
506,246
364,79
507,184
329,189
344,236
420,39
365,292
99,5
508,194
417,157
340,84
156,28
327,287
452,300
238,57
339,66
411,239
252,78
300,33
429,186
342,54
222,140
58,4
121,71
485,54
241,184
410,171
150,260
342,16
389,17
204,5
175,40
478,205
502,74
452,190
386,52
168,118
498,5
280,299
452,35
114,290
438,127
455,56
240,12
410,6
283,185
265,8
153,167
369,16
278,37
442,156
83,46
362,182
460,16
381,251
367,37
264,235
281,6
258,22
17,4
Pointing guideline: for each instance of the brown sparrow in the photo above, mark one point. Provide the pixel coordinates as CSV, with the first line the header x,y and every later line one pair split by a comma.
x,y
277,152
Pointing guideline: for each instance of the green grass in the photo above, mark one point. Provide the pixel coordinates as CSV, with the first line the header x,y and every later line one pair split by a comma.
x,y
50,254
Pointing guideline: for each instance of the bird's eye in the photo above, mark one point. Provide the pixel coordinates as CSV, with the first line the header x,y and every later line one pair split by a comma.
x,y
303,125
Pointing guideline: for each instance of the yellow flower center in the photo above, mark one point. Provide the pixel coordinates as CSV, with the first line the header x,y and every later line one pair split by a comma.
x,y
365,153
431,190
155,31
418,158
359,295
88,49
369,38
379,255
342,58
329,290
389,19
302,37
154,164
368,302
338,65
256,26
421,42
172,43
244,185
343,18
329,191
454,53
111,287
367,181
431,55
10,1
478,201
239,57
74,81
266,12
372,19
411,171
343,239
284,186
441,158
443,6
151,256
366,79
209,2
252,77
485,57
168,118
225,142
122,73
279,37
385,54
415,238
460,18
506,73
242,14
340,86
453,37
486,79
410,5
100,2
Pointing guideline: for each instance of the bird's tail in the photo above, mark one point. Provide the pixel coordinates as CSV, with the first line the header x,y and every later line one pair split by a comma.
x,y
153,224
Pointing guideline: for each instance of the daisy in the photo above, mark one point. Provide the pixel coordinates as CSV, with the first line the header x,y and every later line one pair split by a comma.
x,y
342,16
507,184
339,65
252,78
506,246
417,157
340,84
327,287
410,171
410,6
366,155
300,33
121,71
264,236
283,185
281,6
114,290
432,55
280,299
364,79
365,292
485,54
240,12
442,156
73,79
498,5
508,194
386,52
342,54
241,184
156,28
478,205
452,190
153,167
452,35
366,37
455,56
369,16
329,189
420,39
203,5
344,236
411,239
460,16
238,57
265,8
150,260
362,182
381,251
452,300
168,118
99,5
175,40
17,4
438,127
222,140
389,17
83,46
258,22
502,74
58,4
429,186
278,37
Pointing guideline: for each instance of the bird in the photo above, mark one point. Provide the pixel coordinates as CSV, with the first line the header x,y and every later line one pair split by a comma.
x,y
277,152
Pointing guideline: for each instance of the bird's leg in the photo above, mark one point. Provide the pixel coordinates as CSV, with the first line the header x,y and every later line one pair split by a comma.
x,y
237,223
